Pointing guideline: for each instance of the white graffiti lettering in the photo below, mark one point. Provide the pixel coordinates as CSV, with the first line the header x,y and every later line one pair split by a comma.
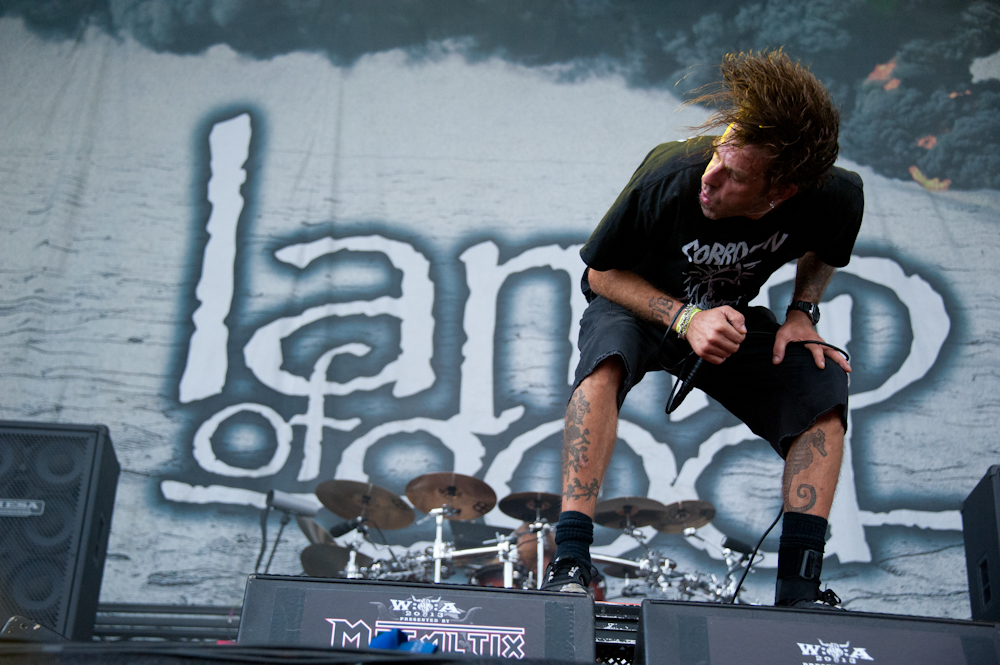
x,y
411,372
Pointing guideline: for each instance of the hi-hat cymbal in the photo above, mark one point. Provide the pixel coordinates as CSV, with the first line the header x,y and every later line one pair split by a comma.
x,y
532,506
685,514
350,499
469,497
636,511
329,560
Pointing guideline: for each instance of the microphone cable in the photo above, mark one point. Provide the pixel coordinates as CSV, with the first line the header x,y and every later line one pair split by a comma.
x,y
685,377
753,555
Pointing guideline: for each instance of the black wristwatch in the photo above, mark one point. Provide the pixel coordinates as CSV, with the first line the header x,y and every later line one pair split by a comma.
x,y
812,309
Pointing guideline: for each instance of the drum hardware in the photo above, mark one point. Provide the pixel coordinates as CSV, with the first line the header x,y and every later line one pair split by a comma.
x,y
736,555
409,567
541,508
506,554
618,567
453,496
461,499
495,574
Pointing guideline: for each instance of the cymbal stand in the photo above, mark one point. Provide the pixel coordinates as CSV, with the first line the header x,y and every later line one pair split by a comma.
x,y
540,527
439,550
352,571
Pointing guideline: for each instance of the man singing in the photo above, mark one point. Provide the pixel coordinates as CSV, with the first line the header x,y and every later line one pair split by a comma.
x,y
670,271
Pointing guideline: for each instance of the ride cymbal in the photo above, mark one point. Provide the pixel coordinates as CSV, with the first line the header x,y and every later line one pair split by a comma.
x,y
467,498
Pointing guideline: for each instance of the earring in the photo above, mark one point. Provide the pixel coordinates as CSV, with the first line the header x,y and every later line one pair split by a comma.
x,y
771,203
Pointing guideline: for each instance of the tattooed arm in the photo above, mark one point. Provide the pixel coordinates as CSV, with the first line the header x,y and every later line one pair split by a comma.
x,y
714,334
811,279
635,294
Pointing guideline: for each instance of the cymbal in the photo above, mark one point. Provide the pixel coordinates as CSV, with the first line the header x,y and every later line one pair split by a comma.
x,y
314,533
350,499
636,511
329,560
470,497
685,514
529,506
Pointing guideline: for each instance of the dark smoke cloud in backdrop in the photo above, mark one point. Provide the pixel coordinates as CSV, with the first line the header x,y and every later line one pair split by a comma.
x,y
899,69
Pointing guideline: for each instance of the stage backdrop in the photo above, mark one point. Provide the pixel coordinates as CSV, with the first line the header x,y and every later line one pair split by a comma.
x,y
275,243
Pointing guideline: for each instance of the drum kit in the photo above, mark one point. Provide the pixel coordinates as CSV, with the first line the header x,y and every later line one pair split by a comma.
x,y
511,559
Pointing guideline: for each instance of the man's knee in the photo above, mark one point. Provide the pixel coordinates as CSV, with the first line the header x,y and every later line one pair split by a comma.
x,y
832,423
607,376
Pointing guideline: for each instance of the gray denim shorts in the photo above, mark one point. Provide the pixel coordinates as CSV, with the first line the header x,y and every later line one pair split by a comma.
x,y
777,402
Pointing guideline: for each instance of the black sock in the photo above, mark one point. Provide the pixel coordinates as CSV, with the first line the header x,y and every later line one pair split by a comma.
x,y
800,558
802,530
574,536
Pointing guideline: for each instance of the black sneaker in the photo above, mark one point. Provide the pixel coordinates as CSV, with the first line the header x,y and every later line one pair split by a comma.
x,y
827,600
567,575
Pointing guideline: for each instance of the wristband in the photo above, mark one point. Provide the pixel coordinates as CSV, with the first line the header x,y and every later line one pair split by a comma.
x,y
685,322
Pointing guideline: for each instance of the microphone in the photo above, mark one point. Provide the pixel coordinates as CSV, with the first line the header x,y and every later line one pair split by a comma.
x,y
338,530
684,384
295,504
736,545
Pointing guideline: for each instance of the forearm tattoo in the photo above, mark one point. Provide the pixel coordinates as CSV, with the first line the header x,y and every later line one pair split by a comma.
x,y
575,441
661,309
799,459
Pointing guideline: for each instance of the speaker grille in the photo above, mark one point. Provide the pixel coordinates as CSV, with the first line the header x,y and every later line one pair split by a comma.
x,y
38,553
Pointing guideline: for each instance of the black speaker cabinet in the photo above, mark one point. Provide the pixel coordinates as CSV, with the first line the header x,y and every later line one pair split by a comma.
x,y
475,621
57,491
686,633
982,546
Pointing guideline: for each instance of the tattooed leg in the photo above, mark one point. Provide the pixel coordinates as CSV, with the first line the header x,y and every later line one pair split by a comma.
x,y
589,436
812,467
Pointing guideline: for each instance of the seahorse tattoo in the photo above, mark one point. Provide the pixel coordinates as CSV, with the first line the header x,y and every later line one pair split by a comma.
x,y
799,459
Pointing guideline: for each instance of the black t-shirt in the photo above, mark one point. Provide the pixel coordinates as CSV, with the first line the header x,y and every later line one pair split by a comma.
x,y
657,230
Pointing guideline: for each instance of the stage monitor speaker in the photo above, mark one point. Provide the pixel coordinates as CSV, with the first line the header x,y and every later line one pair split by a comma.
x,y
57,491
980,512
688,633
486,622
